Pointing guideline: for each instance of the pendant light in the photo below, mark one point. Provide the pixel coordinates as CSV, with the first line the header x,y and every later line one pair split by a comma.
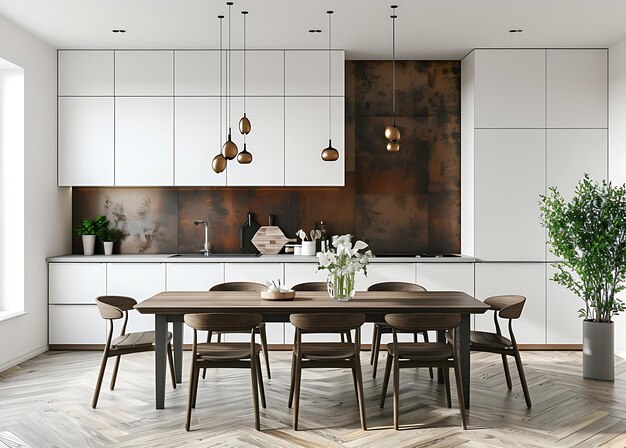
x,y
219,161
329,154
229,150
392,133
245,126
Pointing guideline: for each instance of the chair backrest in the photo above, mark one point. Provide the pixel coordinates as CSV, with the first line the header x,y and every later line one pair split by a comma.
x,y
239,286
415,322
396,286
507,306
223,321
114,307
327,322
311,286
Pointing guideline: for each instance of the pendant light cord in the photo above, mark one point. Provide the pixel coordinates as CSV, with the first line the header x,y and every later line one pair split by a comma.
x,y
245,13
393,53
221,68
228,110
330,13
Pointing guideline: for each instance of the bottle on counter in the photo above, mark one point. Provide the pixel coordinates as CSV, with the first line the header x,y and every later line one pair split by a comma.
x,y
324,237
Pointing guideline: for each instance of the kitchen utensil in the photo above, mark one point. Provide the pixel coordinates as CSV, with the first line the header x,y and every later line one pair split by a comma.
x,y
269,240
246,233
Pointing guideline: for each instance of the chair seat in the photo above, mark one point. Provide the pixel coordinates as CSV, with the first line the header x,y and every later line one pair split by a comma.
x,y
428,351
226,351
480,339
330,351
136,340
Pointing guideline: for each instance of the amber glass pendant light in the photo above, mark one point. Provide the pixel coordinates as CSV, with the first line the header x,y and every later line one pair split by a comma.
x,y
245,126
219,161
330,154
392,133
229,150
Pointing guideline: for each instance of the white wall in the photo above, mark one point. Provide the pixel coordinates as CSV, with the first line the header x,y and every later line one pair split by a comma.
x,y
617,149
47,208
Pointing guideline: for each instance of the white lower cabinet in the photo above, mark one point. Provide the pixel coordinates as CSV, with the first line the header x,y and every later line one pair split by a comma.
x,y
76,283
563,324
526,279
76,324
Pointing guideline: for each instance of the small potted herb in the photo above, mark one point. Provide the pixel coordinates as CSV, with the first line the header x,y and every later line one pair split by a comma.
x,y
87,231
108,237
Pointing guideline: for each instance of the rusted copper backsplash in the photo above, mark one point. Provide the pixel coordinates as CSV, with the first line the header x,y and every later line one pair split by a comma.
x,y
399,202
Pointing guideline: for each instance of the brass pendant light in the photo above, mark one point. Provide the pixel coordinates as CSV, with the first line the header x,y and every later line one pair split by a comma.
x,y
229,150
219,161
392,133
244,157
330,154
245,126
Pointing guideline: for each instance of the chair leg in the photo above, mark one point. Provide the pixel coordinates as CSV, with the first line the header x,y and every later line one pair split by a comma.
x,y
446,380
208,340
396,392
293,379
219,338
296,397
430,369
386,380
96,393
255,393
266,352
522,378
348,337
507,373
374,335
190,398
115,369
194,386
360,394
343,338
377,348
170,360
354,383
259,379
459,391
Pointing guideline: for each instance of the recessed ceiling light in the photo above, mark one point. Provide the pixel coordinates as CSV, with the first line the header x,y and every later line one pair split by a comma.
x,y
118,31
315,31
516,31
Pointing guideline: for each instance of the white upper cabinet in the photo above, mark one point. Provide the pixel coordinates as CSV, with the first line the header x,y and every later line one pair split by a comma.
x,y
198,139
306,73
306,135
144,152
86,73
577,88
197,73
144,73
510,89
85,141
265,73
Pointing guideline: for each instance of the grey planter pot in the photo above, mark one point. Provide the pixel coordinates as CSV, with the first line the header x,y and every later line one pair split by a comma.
x,y
89,243
598,350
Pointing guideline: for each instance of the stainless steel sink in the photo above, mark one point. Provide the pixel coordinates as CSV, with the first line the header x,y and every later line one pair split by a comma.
x,y
214,256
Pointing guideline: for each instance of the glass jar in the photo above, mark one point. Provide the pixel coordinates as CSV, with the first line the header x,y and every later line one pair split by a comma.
x,y
341,286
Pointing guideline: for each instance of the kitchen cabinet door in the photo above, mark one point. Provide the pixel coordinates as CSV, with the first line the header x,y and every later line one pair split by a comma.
x,y
306,135
198,138
577,88
76,283
85,73
265,142
85,139
197,72
306,73
510,174
526,279
144,73
265,73
139,281
563,324
446,276
144,141
76,324
256,272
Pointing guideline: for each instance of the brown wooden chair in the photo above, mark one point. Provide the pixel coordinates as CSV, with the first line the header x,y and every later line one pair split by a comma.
x,y
327,354
381,328
225,354
422,354
507,307
116,307
261,331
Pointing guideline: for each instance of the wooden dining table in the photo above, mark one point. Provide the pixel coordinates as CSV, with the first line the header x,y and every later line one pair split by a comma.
x,y
171,306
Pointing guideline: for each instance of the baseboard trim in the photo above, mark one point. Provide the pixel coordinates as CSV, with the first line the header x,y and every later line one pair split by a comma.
x,y
621,353
25,357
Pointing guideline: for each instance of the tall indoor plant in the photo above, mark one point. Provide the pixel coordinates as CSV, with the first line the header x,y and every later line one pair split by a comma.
x,y
588,233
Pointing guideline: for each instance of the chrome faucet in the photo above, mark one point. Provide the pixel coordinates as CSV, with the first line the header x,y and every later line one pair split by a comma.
x,y
206,250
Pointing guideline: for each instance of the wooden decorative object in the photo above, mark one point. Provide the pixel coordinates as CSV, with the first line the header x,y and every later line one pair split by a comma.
x,y
274,295
270,240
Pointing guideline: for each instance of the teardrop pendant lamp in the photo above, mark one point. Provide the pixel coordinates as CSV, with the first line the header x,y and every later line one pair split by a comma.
x,y
229,150
219,161
392,133
245,126
330,154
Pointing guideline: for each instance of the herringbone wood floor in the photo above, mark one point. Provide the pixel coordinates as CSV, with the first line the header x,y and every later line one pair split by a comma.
x,y
45,402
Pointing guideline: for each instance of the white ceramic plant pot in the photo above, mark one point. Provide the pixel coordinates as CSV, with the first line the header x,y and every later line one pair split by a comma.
x,y
89,243
108,247
297,250
598,350
308,248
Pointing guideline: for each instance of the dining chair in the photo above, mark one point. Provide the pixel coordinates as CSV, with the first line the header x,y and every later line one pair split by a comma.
x,y
381,328
117,307
225,354
423,354
325,355
261,331
507,307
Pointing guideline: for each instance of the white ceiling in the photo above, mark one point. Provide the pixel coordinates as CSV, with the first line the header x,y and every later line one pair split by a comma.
x,y
426,29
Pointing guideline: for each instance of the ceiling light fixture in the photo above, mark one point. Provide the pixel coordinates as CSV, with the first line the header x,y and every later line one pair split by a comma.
x,y
245,126
229,150
516,31
219,161
330,154
392,133
118,31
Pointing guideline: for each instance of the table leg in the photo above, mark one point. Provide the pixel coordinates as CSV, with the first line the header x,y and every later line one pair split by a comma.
x,y
160,356
441,337
464,342
178,348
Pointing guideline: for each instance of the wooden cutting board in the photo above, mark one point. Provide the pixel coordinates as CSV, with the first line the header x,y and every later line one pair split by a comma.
x,y
270,240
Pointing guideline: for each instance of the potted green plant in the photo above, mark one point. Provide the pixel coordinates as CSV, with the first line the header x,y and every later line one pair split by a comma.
x,y
588,235
108,237
87,232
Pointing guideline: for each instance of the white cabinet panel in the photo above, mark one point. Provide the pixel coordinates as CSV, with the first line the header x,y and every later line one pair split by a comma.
x,y
76,324
197,72
265,142
306,73
139,73
563,324
526,279
510,89
139,281
76,283
144,137
509,177
86,146
446,277
385,272
88,73
265,73
577,88
306,135
198,138
194,276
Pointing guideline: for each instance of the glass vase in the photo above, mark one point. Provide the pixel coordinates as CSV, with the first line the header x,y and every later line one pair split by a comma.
x,y
341,286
